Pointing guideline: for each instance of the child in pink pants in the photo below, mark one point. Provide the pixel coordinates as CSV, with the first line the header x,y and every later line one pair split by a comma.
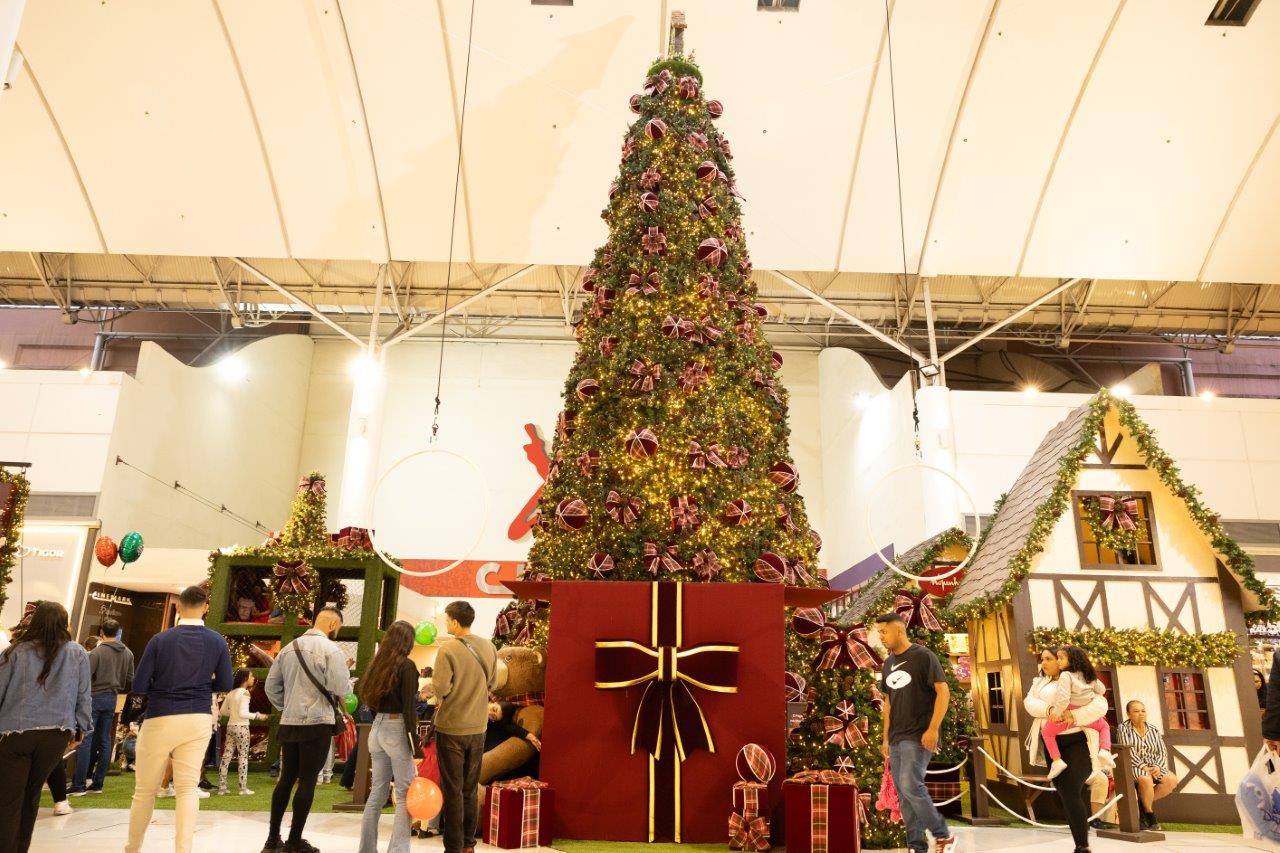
x,y
1077,685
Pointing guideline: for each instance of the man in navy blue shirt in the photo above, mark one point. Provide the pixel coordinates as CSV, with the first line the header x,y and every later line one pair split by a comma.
x,y
179,672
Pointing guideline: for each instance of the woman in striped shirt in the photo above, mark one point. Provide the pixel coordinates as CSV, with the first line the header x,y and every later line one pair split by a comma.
x,y
1149,759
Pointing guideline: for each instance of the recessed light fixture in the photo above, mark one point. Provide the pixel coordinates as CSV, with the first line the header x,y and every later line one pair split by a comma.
x,y
84,371
861,400
1030,390
1121,391
1207,395
3,364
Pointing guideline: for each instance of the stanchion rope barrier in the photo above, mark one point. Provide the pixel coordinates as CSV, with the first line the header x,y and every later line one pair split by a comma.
x,y
949,769
1026,819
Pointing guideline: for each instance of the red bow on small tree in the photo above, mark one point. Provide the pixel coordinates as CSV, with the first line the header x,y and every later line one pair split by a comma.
x,y
917,609
292,577
844,735
311,483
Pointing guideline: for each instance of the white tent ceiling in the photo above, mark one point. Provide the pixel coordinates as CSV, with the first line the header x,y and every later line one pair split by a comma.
x,y
1094,138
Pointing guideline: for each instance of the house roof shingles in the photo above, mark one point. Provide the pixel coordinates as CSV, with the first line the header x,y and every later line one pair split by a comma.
x,y
878,585
1012,525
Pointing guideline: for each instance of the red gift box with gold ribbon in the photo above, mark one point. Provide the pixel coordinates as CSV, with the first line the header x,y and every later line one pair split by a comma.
x,y
651,689
824,812
518,814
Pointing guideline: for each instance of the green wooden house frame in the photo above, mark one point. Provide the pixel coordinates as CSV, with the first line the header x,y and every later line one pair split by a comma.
x,y
381,596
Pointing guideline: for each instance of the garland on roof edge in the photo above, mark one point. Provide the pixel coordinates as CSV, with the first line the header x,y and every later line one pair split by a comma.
x,y
12,512
1051,509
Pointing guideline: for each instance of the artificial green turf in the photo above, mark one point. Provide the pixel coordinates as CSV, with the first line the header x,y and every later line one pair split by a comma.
x,y
118,791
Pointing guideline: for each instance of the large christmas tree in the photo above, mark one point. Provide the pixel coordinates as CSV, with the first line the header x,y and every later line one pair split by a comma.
x,y
671,458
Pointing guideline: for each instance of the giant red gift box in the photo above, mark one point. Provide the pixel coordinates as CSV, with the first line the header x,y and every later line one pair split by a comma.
x,y
518,814
823,813
604,789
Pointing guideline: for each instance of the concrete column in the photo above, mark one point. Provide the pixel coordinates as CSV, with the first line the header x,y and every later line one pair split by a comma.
x,y
941,502
364,437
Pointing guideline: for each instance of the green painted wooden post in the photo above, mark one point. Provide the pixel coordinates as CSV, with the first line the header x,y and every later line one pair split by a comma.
x,y
380,581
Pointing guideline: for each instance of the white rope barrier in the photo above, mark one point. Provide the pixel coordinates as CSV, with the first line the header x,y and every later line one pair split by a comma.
x,y
950,769
1015,777
1026,819
950,801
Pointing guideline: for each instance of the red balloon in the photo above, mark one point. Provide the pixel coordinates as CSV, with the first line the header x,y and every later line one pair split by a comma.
x,y
424,799
106,550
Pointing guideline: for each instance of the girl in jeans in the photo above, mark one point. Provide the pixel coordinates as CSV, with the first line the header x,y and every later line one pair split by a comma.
x,y
390,687
44,708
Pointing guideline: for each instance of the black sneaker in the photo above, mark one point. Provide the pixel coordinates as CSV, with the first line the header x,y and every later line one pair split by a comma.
x,y
1096,823
273,845
1154,825
299,846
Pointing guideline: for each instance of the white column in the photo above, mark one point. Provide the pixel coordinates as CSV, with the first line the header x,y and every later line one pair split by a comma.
x,y
940,503
364,436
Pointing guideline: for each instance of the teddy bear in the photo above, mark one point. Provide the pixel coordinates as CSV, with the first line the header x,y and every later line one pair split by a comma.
x,y
526,672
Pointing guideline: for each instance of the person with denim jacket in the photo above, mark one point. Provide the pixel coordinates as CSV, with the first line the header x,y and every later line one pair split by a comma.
x,y
45,706
306,722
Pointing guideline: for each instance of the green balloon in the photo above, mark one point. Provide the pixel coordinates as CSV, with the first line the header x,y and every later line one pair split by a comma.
x,y
352,703
425,633
131,547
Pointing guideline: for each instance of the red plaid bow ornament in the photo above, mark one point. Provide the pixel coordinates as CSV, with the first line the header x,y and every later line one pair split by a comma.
x,y
292,576
844,735
311,483
917,609
1120,513
748,833
663,559
623,509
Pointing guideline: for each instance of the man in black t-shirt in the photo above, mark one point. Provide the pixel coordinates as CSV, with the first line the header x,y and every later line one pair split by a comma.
x,y
915,701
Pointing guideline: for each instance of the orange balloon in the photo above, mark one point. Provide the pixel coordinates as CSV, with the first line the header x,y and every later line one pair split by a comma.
x,y
424,799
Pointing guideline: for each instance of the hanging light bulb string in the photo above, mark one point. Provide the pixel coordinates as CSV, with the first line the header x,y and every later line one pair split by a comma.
x,y
453,222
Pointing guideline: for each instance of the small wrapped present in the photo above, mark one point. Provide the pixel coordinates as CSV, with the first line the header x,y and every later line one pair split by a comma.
x,y
751,799
824,812
749,833
518,814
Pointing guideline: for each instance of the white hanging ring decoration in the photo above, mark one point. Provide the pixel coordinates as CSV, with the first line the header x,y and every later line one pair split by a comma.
x,y
973,506
484,514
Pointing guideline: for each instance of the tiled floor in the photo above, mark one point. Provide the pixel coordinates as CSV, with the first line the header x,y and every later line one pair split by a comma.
x,y
106,830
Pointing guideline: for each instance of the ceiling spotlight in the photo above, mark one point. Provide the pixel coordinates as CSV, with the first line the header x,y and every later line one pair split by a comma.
x,y
1207,395
1030,390
3,364
84,371
232,368
1121,391
861,400
930,370
365,368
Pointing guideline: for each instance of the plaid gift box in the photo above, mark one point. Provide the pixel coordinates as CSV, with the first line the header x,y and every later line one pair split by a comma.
x,y
823,812
751,799
519,814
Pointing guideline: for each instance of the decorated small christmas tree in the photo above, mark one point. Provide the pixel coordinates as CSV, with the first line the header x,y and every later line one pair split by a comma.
x,y
671,458
838,679
14,490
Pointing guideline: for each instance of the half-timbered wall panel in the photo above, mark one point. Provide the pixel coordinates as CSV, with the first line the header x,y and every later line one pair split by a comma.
x,y
1227,719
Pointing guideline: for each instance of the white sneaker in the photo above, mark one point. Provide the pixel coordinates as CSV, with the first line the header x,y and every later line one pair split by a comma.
x,y
202,793
62,808
1097,774
1106,759
165,793
1056,768
245,792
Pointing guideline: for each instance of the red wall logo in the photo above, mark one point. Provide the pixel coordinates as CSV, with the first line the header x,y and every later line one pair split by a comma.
x,y
469,579
944,586
536,451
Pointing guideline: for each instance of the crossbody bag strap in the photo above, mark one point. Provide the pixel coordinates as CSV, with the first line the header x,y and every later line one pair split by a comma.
x,y
302,659
476,655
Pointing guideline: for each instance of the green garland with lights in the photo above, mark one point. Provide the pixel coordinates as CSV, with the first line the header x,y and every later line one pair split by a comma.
x,y
1144,646
304,538
1051,509
10,534
1116,538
